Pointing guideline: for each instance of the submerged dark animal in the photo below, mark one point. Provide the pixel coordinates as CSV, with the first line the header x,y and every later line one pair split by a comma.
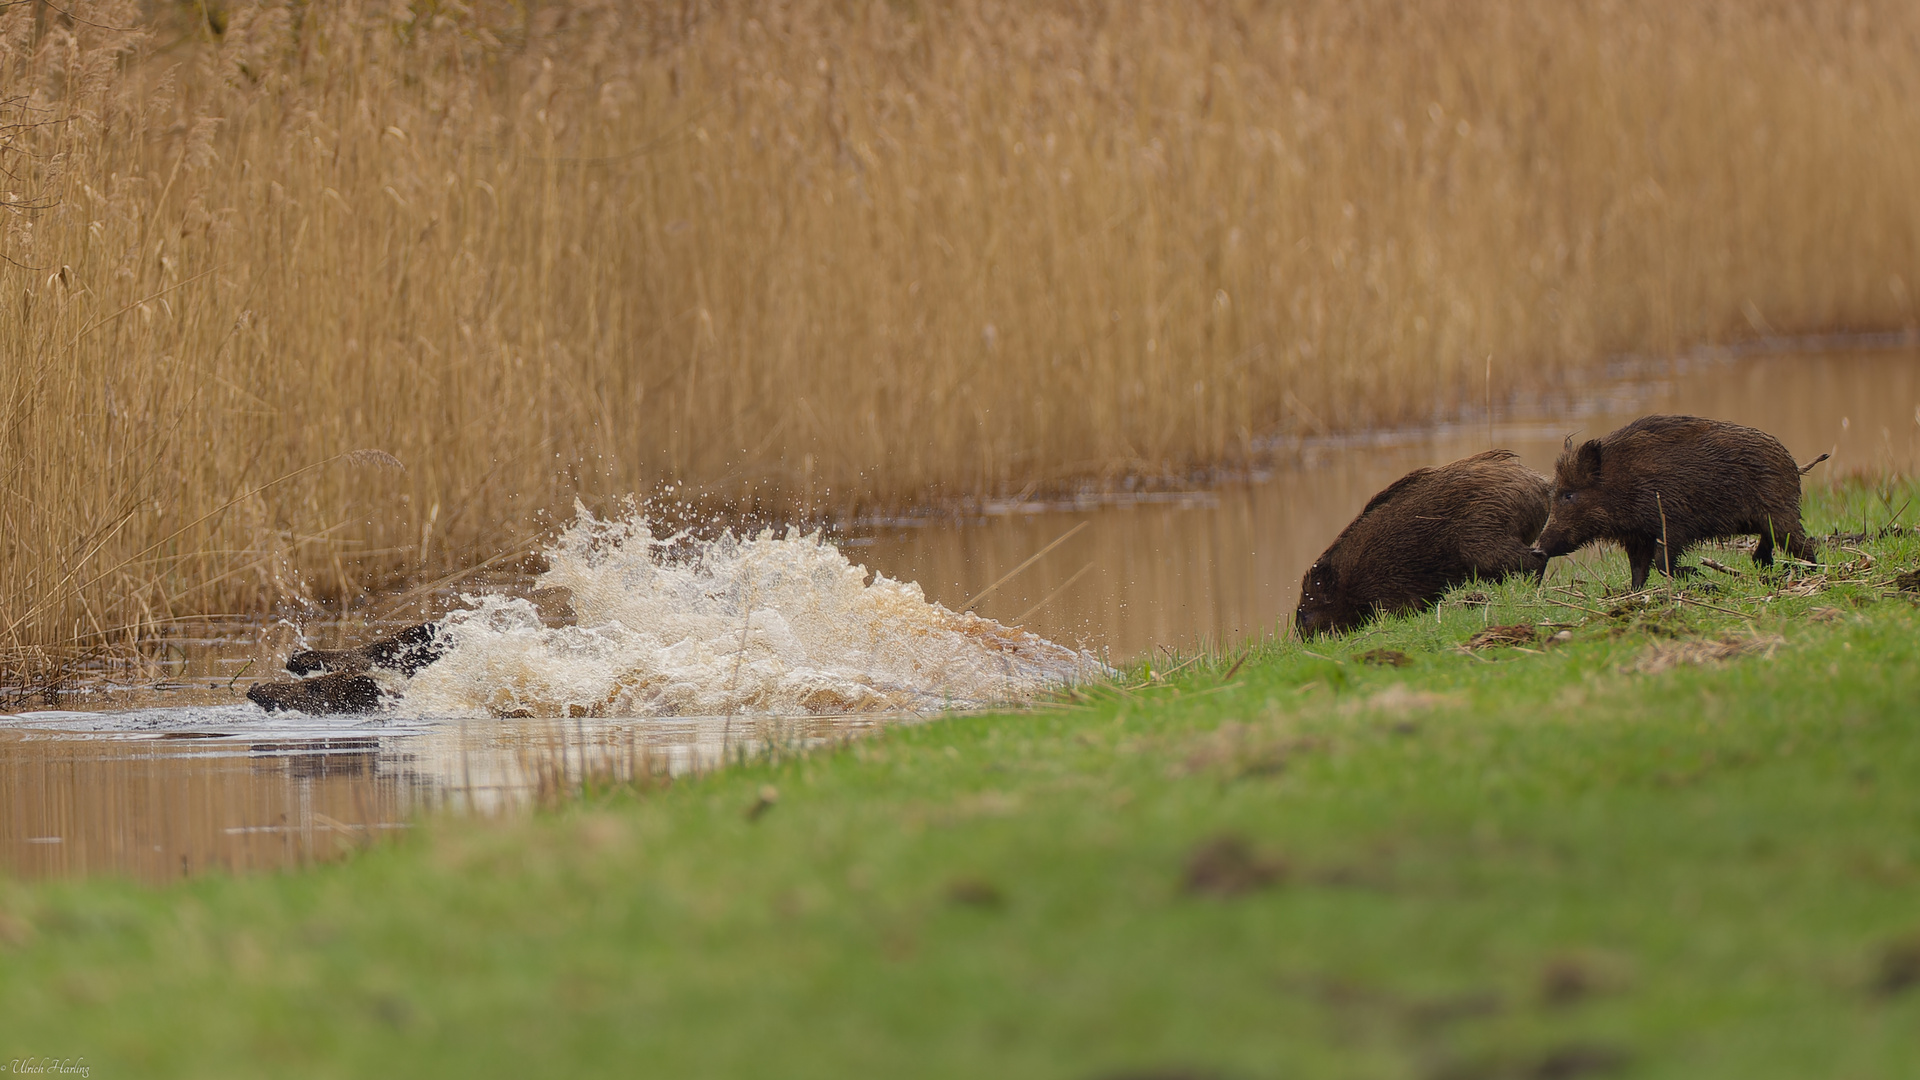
x,y
340,682
405,652
338,692
1664,483
1431,530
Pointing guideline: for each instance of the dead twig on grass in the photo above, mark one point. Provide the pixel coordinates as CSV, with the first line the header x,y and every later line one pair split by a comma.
x,y
1228,677
1178,668
1685,599
1576,607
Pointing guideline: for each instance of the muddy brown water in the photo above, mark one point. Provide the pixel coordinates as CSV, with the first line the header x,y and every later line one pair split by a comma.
x,y
158,782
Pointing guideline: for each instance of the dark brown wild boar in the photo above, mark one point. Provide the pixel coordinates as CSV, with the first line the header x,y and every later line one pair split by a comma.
x,y
1433,529
1680,477
335,692
340,683
405,652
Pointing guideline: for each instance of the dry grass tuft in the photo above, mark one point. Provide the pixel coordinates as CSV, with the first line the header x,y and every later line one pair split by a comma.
x,y
814,257
1508,635
377,458
1398,699
1666,655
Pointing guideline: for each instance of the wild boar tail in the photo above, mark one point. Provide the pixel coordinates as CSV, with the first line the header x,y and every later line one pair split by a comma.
x,y
1811,464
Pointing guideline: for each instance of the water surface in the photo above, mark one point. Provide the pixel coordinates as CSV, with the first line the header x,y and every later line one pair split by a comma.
x,y
165,792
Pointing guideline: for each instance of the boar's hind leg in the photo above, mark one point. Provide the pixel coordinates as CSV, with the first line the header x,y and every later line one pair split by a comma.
x,y
1800,547
1793,539
1672,569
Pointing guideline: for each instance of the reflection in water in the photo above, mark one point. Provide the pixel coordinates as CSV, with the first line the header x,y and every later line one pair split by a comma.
x,y
205,783
159,807
195,791
1223,566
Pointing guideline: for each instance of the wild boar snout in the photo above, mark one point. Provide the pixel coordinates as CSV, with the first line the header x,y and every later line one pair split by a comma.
x,y
1554,543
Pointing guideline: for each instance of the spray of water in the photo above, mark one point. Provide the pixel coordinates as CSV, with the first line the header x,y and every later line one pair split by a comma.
x,y
763,623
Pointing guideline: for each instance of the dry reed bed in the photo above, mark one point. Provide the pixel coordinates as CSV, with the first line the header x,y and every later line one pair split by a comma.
x,y
822,257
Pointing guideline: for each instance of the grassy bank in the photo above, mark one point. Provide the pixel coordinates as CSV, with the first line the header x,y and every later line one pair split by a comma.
x,y
823,256
1679,843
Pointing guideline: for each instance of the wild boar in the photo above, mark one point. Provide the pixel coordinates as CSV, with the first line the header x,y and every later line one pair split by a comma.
x,y
340,683
336,692
1681,478
1431,530
405,652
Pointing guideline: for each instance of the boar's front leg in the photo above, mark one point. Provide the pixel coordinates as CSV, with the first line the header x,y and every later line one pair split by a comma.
x,y
1640,559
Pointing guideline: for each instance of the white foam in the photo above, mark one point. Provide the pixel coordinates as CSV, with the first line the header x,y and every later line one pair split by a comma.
x,y
759,624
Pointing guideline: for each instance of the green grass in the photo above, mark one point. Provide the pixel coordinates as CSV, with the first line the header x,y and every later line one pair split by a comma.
x,y
1507,864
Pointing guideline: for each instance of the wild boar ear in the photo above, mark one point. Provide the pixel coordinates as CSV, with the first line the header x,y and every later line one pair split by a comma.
x,y
1589,459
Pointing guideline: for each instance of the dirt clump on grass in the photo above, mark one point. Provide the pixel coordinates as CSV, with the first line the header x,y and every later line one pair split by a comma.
x,y
1227,865
975,892
1565,1062
1572,978
1898,971
1385,658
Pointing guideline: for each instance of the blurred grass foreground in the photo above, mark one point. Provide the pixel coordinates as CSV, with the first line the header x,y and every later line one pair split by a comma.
x,y
820,258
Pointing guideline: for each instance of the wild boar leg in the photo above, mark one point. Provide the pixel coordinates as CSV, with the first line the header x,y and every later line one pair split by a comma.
x,y
1640,560
1660,561
1800,547
1763,555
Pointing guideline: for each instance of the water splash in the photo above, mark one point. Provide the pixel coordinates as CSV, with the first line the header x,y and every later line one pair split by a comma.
x,y
765,623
